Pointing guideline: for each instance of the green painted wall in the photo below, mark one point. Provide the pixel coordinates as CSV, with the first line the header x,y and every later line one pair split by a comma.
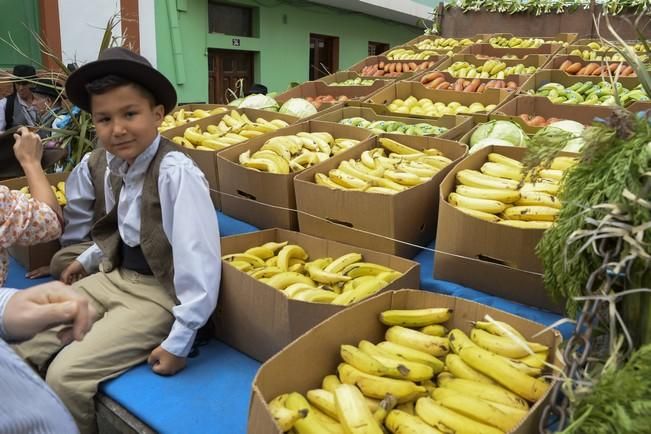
x,y
15,19
282,47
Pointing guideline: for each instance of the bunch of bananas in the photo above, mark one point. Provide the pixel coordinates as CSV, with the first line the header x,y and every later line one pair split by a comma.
x,y
515,42
426,107
59,191
597,46
606,56
374,172
412,383
341,281
492,68
409,54
181,117
234,128
285,154
444,43
496,193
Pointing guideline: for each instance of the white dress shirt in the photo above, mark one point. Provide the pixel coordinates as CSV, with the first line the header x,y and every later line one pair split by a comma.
x,y
31,115
189,224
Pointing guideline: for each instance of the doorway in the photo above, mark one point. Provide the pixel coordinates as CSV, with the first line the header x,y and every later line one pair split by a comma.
x,y
324,55
225,69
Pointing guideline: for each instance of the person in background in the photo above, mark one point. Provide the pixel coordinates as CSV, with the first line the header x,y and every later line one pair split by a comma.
x,y
28,404
16,109
28,220
47,102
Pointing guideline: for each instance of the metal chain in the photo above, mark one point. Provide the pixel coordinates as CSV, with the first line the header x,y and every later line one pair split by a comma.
x,y
578,347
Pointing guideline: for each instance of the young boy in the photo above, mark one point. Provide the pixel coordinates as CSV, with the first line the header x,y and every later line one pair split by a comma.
x,y
158,244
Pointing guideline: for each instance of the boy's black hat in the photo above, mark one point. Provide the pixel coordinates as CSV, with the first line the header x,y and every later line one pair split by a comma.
x,y
45,86
123,63
24,71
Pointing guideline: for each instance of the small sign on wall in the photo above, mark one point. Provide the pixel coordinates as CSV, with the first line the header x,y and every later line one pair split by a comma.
x,y
236,42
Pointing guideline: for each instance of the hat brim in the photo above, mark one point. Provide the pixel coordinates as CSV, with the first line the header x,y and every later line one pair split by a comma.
x,y
144,75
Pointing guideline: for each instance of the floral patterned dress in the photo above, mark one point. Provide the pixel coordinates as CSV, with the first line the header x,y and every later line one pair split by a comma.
x,y
23,221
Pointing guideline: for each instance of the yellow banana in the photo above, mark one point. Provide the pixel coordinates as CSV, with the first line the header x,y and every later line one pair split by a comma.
x,y
403,178
502,159
310,424
491,365
398,367
353,412
506,346
396,350
241,265
501,171
434,330
396,147
322,276
274,246
433,345
474,178
265,273
283,416
332,425
361,292
460,369
362,361
358,269
286,278
387,183
484,391
401,422
435,161
253,260
61,185
551,174
502,195
544,187
531,213
484,205
378,387
389,276
277,148
498,328
421,172
316,296
324,180
522,367
288,252
346,180
440,417
329,382
294,289
524,224
480,214
342,262
415,317
261,252
538,198
536,360
281,164
380,190
477,409
324,401
193,135
563,163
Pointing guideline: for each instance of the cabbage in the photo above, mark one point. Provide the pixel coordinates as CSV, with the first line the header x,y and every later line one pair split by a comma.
x,y
260,102
236,102
575,128
504,130
488,141
298,107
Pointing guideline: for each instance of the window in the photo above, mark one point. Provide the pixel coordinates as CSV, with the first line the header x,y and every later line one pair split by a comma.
x,y
230,19
377,48
324,56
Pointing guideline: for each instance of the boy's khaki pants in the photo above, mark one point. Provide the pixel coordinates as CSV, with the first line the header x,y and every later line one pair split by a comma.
x,y
134,317
65,256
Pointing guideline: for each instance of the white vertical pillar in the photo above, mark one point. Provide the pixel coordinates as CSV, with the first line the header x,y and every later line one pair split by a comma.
x,y
147,20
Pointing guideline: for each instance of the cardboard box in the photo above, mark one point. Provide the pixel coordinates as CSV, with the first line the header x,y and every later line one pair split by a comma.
x,y
405,89
504,93
267,200
491,51
541,106
302,365
37,255
374,60
490,257
370,220
639,106
342,76
556,76
456,125
207,160
259,320
318,88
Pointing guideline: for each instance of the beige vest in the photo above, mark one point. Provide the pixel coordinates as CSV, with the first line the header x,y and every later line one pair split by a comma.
x,y
153,242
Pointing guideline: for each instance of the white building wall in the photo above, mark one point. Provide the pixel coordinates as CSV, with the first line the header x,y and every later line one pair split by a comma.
x,y
147,18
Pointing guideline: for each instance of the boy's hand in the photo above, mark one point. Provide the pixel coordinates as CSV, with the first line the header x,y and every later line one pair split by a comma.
x,y
41,307
39,272
163,362
28,147
73,272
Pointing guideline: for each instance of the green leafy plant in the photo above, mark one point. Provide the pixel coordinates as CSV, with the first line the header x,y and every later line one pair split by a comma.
x,y
612,7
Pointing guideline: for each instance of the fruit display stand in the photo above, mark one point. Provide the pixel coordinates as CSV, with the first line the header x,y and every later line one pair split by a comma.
x,y
207,160
371,220
490,51
415,66
487,256
314,89
541,106
342,76
258,319
302,365
546,76
37,255
250,193
403,90
456,126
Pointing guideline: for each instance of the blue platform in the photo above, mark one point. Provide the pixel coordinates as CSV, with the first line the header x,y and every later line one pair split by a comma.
x,y
212,394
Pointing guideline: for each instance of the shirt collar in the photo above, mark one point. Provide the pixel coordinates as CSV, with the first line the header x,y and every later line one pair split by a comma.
x,y
119,167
